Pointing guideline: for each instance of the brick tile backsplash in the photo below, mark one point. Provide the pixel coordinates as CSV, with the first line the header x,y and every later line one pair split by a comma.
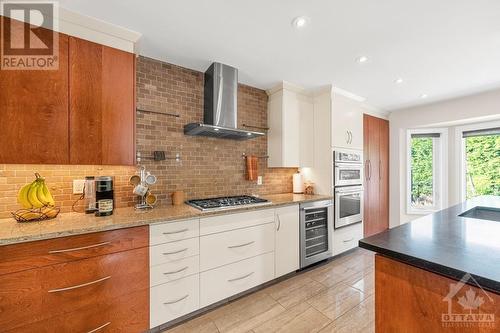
x,y
208,166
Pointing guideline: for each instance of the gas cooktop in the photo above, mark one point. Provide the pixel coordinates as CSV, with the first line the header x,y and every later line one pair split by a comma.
x,y
226,202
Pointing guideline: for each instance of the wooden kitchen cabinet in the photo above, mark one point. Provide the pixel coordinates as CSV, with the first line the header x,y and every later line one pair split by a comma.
x,y
57,295
81,113
287,240
376,193
101,104
34,111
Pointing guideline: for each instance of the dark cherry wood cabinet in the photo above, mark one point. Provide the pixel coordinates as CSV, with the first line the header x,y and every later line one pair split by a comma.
x,y
34,112
376,194
81,113
77,284
101,103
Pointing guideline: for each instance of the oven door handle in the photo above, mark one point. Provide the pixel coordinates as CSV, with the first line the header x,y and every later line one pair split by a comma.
x,y
358,190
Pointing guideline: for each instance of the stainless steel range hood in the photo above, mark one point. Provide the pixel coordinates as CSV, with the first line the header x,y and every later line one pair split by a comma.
x,y
220,107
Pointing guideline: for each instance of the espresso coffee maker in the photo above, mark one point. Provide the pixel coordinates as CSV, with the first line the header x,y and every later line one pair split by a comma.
x,y
104,196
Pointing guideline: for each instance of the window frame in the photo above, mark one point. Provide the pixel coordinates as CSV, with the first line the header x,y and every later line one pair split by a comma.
x,y
439,165
461,153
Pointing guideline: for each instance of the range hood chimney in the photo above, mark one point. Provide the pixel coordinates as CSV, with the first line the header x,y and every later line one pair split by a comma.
x,y
220,106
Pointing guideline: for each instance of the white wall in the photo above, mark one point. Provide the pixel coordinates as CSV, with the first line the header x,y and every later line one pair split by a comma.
x,y
451,113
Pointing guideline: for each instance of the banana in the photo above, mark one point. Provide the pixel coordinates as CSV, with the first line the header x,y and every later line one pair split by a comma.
x,y
48,195
40,193
32,195
22,197
28,216
50,212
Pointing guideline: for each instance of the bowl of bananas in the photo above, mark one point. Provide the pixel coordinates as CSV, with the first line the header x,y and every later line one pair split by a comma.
x,y
37,201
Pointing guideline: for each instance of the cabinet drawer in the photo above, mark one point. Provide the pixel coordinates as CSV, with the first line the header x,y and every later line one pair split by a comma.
x,y
229,280
174,270
215,224
231,246
126,314
347,238
173,251
19,257
174,299
173,231
37,294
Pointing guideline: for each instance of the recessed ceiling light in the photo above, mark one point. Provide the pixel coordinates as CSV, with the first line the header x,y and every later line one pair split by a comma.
x,y
216,129
423,96
398,81
300,22
362,59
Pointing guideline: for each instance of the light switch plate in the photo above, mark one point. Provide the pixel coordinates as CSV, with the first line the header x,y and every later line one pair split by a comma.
x,y
78,185
259,180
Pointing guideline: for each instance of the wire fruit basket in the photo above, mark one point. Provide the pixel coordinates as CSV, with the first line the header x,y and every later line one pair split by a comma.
x,y
36,214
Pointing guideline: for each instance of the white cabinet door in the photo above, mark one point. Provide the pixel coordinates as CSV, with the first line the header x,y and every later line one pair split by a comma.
x,y
174,299
235,245
347,122
347,238
226,281
291,127
287,240
306,133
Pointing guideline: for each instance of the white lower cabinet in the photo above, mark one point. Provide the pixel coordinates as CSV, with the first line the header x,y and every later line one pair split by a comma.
x,y
196,263
231,246
347,238
174,270
225,281
174,251
174,299
287,240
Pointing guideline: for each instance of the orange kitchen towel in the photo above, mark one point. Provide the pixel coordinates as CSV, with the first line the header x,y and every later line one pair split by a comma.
x,y
252,169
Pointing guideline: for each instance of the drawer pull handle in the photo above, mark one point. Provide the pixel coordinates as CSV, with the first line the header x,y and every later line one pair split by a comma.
x,y
175,252
240,245
99,328
80,285
175,232
348,240
177,271
79,248
177,300
240,278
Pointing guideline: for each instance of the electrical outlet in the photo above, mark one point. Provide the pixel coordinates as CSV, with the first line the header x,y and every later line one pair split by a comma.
x,y
259,180
78,185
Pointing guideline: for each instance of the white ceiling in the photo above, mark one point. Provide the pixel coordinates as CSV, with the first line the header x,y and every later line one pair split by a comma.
x,y
442,48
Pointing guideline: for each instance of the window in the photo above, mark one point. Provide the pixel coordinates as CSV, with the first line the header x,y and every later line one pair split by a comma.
x,y
425,164
482,162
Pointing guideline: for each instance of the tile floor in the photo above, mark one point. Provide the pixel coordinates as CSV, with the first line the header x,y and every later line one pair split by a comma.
x,y
335,297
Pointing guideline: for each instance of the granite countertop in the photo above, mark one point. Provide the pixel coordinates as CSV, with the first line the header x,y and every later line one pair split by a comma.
x,y
67,224
447,244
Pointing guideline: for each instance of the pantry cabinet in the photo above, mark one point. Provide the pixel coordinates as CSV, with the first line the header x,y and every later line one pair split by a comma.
x,y
83,112
376,194
291,124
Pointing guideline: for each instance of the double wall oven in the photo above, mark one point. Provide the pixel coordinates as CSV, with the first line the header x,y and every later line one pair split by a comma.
x,y
348,187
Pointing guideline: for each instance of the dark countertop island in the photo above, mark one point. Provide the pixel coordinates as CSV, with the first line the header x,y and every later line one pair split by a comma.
x,y
448,244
